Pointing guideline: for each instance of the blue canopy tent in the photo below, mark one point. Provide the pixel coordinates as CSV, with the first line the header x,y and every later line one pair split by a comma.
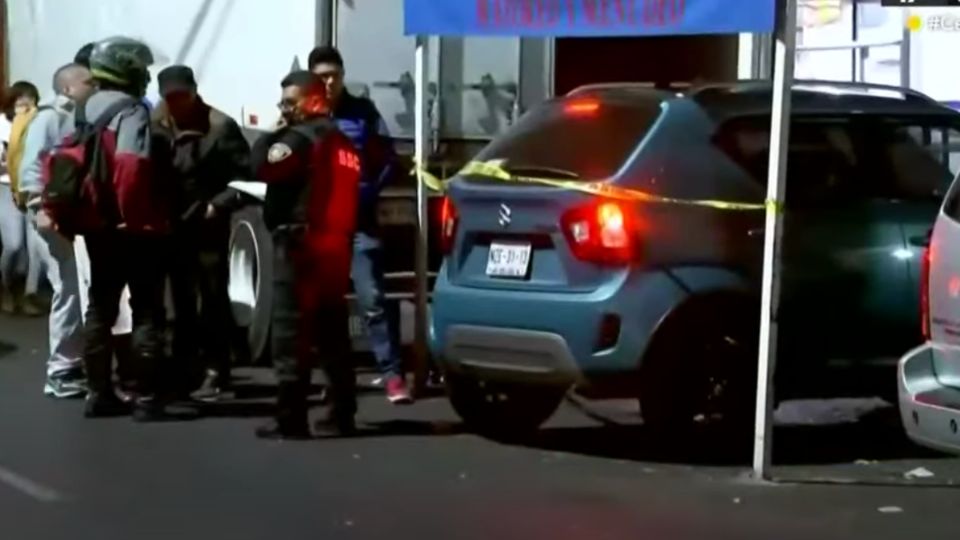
x,y
595,18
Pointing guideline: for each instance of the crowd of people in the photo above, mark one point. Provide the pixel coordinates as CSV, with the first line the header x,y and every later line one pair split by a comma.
x,y
114,197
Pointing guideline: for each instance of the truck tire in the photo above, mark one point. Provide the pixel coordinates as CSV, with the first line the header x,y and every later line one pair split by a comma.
x,y
251,274
502,410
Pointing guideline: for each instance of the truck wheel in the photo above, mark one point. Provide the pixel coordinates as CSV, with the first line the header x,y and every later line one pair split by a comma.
x,y
700,373
251,273
502,410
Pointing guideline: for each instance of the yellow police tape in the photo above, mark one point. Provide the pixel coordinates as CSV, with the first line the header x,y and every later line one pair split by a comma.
x,y
494,169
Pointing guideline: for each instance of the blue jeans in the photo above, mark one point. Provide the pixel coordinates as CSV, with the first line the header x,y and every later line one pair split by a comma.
x,y
367,276
66,319
21,253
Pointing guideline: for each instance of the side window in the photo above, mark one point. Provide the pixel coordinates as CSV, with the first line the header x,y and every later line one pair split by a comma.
x,y
822,166
914,161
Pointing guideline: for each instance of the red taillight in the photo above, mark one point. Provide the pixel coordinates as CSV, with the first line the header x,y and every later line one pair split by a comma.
x,y
448,225
582,107
603,232
925,294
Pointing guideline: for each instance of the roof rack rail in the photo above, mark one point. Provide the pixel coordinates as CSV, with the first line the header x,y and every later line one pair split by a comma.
x,y
756,84
676,85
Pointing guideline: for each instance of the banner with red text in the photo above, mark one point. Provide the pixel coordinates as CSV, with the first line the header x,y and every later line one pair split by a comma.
x,y
587,17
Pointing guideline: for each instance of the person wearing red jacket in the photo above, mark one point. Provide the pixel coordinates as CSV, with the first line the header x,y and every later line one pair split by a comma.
x,y
125,240
312,173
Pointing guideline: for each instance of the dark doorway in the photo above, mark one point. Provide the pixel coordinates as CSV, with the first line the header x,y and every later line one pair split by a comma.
x,y
582,61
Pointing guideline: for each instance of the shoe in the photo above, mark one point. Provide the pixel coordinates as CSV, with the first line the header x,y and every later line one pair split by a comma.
x,y
105,405
334,427
289,430
148,410
291,420
7,305
397,392
65,387
33,306
213,390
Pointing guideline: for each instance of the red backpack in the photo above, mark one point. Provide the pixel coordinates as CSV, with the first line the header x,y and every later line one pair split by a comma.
x,y
78,193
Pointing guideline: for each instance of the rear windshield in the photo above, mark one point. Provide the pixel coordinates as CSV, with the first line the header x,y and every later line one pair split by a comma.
x,y
574,138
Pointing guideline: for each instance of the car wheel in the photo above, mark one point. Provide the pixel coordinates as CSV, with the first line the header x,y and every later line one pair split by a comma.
x,y
700,373
501,410
250,275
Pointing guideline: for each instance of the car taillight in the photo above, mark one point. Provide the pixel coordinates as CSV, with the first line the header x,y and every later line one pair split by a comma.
x,y
603,232
925,294
448,225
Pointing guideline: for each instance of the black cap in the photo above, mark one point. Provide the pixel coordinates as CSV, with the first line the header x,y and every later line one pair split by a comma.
x,y
176,79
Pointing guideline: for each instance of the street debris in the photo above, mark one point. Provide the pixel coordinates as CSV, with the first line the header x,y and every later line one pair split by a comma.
x,y
919,472
356,456
736,500
890,510
865,462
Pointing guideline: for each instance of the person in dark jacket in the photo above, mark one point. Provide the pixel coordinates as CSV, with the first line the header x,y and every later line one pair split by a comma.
x,y
126,248
312,175
205,150
359,120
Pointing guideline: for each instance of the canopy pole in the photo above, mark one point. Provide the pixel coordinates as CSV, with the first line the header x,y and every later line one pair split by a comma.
x,y
783,72
420,154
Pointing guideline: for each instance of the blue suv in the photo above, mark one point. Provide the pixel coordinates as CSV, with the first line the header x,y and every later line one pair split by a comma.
x,y
544,288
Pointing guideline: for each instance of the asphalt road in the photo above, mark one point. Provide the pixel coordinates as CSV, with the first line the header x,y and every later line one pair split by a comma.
x,y
415,474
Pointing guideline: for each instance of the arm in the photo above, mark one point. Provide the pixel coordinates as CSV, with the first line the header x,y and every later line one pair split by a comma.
x,y
380,157
143,204
42,134
280,157
235,153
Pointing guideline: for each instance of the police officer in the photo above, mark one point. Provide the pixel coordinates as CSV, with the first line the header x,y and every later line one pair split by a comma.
x,y
312,175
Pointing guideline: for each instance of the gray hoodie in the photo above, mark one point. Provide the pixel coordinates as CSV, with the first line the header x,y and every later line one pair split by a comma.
x,y
43,133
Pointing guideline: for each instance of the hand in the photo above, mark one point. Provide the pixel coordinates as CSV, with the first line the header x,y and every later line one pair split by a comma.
x,y
211,211
44,222
20,200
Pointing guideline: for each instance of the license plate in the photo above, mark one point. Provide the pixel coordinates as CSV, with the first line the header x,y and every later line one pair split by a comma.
x,y
508,260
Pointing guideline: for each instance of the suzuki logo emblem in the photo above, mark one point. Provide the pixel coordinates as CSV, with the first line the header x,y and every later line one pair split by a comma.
x,y
505,213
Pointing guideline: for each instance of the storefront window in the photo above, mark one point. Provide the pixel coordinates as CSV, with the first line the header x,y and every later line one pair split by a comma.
x,y
850,40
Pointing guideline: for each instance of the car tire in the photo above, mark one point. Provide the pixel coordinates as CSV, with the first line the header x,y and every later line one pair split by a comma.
x,y
501,410
700,373
250,264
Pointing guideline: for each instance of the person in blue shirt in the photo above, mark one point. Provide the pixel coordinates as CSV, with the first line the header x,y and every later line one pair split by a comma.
x,y
359,119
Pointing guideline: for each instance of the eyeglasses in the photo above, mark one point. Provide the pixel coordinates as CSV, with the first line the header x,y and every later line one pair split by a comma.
x,y
287,104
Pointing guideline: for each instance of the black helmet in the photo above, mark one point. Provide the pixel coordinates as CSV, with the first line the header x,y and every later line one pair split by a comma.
x,y
122,62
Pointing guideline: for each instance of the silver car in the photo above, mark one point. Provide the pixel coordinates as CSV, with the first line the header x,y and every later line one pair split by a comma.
x,y
929,376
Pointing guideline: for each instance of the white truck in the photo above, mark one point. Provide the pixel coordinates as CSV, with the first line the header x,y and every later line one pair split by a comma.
x,y
241,49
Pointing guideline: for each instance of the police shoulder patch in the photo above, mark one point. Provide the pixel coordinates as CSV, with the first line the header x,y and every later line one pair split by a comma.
x,y
278,152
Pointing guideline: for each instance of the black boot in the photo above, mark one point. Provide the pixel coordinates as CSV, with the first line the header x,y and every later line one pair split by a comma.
x,y
102,401
291,420
336,425
104,405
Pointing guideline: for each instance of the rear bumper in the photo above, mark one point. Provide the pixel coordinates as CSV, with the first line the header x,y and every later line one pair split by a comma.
x,y
548,337
510,355
929,409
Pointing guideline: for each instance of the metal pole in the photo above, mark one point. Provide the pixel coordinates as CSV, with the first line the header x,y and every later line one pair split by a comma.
x,y
784,57
326,33
420,153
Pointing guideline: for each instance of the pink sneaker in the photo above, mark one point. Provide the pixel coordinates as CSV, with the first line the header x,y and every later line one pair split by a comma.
x,y
397,392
